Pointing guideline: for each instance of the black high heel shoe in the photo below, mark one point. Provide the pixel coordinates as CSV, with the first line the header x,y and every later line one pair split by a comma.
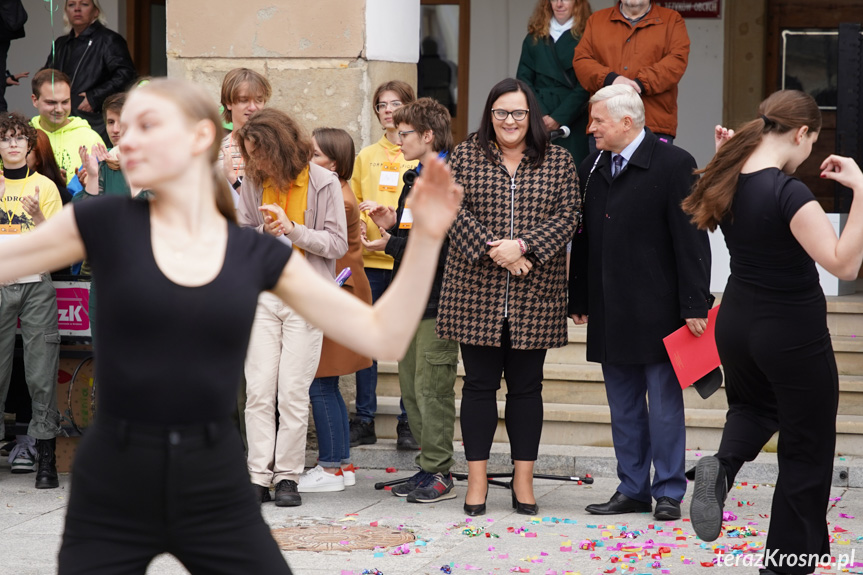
x,y
522,508
479,509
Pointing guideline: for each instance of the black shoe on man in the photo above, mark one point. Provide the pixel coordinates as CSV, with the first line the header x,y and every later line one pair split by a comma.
x,y
287,494
46,471
667,509
619,503
363,432
405,441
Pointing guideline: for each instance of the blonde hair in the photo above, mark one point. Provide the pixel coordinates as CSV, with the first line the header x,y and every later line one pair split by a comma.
x,y
197,105
621,100
101,17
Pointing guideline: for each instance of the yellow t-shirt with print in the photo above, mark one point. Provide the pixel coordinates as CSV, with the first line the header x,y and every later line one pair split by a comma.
x,y
11,209
366,185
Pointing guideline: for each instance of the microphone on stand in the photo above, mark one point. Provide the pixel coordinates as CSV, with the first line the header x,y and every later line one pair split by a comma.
x,y
562,132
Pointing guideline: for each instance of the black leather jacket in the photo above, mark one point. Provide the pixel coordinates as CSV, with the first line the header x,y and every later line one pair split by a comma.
x,y
99,64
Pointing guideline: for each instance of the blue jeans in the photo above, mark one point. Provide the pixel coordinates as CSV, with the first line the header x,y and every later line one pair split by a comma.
x,y
367,379
331,422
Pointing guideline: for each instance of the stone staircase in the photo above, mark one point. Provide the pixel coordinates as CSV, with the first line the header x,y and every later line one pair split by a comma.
x,y
576,411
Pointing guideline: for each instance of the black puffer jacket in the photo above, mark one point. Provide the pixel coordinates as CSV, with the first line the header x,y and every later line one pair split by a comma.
x,y
99,64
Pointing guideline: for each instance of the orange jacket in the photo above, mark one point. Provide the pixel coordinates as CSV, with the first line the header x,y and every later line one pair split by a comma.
x,y
654,53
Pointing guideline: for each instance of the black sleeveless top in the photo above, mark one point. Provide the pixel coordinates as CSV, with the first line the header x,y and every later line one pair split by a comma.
x,y
170,354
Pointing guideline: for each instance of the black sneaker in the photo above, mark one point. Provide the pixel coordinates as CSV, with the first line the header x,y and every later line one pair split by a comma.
x,y
287,494
363,432
403,489
262,494
436,487
405,441
708,498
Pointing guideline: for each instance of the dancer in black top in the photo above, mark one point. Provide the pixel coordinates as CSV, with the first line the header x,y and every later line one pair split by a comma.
x,y
771,331
162,469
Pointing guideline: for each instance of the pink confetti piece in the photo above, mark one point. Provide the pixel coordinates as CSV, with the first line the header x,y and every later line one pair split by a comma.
x,y
846,516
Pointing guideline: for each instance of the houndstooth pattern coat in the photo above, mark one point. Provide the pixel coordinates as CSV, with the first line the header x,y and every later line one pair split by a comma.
x,y
542,208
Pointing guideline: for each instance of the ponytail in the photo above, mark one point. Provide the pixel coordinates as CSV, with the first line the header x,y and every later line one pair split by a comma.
x,y
783,111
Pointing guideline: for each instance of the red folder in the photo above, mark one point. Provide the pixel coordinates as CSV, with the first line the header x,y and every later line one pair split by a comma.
x,y
693,357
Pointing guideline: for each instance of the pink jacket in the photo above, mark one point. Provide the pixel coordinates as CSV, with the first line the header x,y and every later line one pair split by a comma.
x,y
324,237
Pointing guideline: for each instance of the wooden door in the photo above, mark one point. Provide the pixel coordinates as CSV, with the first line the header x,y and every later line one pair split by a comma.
x,y
146,34
802,53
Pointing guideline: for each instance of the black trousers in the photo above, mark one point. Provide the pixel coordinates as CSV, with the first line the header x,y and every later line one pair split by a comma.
x,y
780,375
483,367
139,491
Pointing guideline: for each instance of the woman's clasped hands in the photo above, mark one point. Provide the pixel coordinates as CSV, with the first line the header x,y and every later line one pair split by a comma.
x,y
507,254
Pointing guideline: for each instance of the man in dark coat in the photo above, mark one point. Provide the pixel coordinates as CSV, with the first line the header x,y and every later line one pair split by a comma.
x,y
639,270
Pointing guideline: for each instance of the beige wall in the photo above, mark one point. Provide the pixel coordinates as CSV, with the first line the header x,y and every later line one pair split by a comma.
x,y
315,59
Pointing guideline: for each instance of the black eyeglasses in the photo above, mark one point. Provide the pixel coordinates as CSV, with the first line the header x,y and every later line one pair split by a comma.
x,y
501,115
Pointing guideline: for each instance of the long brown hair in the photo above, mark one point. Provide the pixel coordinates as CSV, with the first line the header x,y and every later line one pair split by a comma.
x,y
282,148
45,163
539,21
197,105
782,112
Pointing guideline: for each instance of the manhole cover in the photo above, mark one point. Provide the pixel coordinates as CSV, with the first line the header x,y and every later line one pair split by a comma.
x,y
330,537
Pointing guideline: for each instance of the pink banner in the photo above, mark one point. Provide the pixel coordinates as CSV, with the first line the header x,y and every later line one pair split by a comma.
x,y
73,310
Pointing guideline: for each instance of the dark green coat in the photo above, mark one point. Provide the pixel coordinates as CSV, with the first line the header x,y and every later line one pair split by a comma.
x,y
542,66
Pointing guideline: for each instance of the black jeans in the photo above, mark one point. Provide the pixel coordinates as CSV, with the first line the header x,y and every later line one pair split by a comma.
x,y
483,367
139,491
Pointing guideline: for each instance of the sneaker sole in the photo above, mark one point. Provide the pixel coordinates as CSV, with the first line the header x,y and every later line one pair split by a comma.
x,y
442,497
17,470
350,483
321,489
705,511
288,503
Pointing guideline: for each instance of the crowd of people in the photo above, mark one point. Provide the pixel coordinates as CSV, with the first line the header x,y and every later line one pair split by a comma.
x,y
414,249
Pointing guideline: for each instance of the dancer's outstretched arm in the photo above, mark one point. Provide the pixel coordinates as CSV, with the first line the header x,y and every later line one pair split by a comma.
x,y
383,331
54,244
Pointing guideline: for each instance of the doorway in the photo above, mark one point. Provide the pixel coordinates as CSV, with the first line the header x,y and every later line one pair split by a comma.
x,y
147,36
442,70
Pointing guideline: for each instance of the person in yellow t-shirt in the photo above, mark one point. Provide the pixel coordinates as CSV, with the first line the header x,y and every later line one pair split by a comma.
x,y
377,180
27,199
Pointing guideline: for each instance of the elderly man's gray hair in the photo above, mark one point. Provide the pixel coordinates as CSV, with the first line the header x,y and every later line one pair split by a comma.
x,y
621,100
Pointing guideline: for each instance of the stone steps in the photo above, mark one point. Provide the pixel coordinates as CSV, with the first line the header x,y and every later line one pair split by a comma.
x,y
590,425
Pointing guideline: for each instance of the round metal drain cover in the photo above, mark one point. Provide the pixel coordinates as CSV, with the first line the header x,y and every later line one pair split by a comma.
x,y
337,538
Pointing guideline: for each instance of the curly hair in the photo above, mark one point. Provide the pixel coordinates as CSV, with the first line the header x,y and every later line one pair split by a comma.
x,y
539,21
282,148
16,123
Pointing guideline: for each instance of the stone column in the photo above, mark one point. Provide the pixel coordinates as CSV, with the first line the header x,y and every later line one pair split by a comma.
x,y
324,60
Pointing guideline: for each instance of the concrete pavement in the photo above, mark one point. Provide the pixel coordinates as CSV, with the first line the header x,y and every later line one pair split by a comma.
x,y
563,538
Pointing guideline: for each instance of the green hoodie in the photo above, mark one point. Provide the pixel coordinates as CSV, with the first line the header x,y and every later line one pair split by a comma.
x,y
65,142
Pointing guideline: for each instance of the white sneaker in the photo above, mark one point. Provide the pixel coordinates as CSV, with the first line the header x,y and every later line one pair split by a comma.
x,y
349,472
316,480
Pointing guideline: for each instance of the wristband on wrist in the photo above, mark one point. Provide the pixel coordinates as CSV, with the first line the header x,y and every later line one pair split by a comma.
x,y
521,246
236,185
